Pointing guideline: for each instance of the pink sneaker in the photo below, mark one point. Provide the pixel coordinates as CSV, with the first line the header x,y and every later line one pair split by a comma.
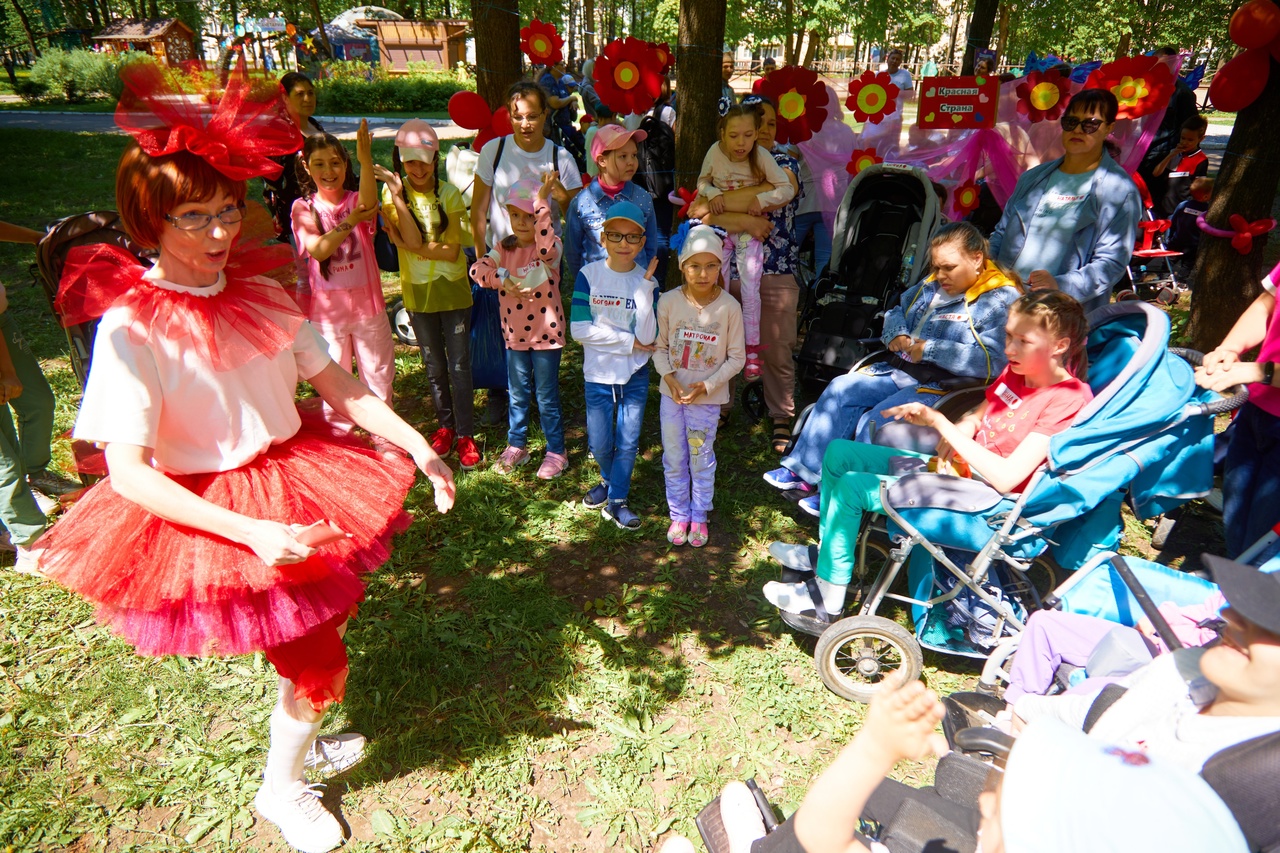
x,y
511,459
553,465
753,368
678,532
698,534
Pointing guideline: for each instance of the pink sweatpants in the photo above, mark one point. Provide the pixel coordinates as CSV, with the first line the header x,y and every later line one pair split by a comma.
x,y
369,341
749,255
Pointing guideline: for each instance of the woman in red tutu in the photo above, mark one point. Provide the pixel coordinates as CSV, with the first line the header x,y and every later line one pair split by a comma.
x,y
229,523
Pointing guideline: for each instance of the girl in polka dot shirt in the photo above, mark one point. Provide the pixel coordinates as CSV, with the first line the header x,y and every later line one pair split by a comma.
x,y
525,269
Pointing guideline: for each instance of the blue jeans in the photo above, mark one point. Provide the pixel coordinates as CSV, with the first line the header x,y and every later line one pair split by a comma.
x,y
837,414
1251,478
614,416
529,372
869,423
806,222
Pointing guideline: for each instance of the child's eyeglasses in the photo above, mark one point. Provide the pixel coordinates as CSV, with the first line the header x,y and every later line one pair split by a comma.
x,y
200,221
1088,125
615,237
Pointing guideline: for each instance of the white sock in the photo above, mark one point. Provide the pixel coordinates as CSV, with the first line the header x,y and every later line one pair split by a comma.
x,y
290,740
832,595
788,597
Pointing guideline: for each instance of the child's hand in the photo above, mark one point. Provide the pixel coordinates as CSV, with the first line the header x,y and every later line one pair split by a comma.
x,y
914,413
716,204
901,722
678,391
693,392
360,213
636,346
651,269
364,145
550,183
755,208
390,178
393,234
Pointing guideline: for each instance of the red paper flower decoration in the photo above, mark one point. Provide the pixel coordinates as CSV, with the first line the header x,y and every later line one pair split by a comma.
x,y
964,199
1043,95
664,54
872,97
628,76
1142,84
541,43
861,159
801,99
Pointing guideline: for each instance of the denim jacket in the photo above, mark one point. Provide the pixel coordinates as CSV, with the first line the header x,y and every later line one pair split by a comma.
x,y
1104,239
965,335
584,222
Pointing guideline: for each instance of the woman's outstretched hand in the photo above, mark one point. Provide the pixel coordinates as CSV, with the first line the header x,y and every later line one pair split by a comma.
x,y
441,478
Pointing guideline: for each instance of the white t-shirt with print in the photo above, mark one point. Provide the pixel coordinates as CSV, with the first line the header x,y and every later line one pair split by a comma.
x,y
517,165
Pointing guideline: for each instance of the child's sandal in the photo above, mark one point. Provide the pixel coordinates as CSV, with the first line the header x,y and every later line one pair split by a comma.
x,y
781,437
698,534
678,532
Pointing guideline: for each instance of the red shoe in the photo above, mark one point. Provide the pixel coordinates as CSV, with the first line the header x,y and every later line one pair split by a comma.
x,y
442,442
468,453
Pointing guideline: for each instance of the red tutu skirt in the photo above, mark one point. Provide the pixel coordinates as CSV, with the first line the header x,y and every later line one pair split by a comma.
x,y
170,589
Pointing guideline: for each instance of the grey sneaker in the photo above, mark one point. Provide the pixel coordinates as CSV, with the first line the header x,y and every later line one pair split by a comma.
x,y
332,754
303,821
53,485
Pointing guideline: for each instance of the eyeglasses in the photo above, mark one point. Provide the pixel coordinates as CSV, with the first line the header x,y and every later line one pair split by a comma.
x,y
615,237
201,221
1088,125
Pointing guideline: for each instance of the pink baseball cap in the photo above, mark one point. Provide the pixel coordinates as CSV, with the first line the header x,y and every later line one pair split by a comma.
x,y
523,195
417,140
611,137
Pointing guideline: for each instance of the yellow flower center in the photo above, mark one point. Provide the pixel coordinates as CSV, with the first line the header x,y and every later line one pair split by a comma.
x,y
791,105
626,75
1045,95
539,44
872,98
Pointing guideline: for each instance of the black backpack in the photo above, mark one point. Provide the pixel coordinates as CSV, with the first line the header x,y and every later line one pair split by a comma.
x,y
657,155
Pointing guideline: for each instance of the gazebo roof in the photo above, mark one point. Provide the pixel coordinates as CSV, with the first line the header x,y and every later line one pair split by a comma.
x,y
139,30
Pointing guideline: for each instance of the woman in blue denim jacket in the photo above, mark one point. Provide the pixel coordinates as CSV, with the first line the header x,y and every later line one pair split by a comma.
x,y
949,325
1071,224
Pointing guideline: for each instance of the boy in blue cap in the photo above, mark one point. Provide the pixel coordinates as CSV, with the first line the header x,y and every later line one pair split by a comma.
x,y
613,317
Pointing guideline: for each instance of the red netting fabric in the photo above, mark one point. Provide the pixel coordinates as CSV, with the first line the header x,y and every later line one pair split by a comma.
x,y
169,589
237,133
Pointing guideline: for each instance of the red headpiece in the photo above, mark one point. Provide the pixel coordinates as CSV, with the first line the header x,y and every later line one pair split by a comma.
x,y
237,135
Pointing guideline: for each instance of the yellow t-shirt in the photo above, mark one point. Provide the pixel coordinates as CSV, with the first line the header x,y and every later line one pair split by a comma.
x,y
429,286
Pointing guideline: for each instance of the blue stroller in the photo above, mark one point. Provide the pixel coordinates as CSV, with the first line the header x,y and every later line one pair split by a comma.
x,y
1145,438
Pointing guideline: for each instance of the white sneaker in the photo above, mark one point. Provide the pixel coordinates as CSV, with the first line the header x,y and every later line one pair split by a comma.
x,y
332,754
25,562
740,814
298,814
794,557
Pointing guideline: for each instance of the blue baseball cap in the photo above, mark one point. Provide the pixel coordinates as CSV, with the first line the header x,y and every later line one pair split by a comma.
x,y
625,210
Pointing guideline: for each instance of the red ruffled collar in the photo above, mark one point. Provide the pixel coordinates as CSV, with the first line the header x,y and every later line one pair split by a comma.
x,y
250,316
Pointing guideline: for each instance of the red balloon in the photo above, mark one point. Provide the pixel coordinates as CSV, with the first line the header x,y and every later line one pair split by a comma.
x,y
1255,23
501,122
468,110
1239,83
482,137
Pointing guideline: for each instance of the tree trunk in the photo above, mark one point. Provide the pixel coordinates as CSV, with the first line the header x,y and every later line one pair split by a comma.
x,y
324,36
589,29
981,23
1122,49
1002,39
1226,282
26,27
956,9
497,28
816,37
701,42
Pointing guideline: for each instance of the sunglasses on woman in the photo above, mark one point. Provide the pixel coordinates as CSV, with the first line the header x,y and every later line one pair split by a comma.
x,y
1088,125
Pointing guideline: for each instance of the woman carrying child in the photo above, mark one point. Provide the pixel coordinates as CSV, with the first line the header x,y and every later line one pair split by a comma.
x,y
951,324
228,525
525,269
427,221
1002,441
333,228
699,349
734,162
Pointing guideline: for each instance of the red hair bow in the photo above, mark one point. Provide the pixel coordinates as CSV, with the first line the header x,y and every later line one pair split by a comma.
x,y
1241,233
237,135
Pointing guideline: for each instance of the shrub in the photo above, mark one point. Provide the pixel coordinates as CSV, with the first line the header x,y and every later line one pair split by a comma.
x,y
78,75
415,93
31,91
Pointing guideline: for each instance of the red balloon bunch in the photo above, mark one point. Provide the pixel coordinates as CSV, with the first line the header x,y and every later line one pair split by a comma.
x,y
469,110
1256,27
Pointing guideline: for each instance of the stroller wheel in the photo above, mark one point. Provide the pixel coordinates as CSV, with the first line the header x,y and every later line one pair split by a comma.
x,y
753,401
857,655
1126,295
400,325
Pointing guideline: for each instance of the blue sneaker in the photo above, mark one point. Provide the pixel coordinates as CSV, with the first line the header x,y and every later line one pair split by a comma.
x,y
785,480
597,497
812,505
620,514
